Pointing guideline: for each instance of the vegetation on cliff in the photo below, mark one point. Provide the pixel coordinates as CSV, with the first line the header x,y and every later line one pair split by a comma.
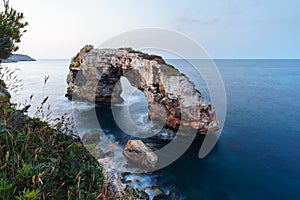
x,y
38,162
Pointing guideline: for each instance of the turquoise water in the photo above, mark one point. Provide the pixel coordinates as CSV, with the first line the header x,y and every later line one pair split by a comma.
x,y
257,156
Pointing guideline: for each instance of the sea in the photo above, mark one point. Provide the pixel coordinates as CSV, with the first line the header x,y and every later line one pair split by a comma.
x,y
258,153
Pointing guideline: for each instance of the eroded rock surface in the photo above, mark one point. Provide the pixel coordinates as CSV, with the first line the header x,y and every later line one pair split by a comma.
x,y
172,99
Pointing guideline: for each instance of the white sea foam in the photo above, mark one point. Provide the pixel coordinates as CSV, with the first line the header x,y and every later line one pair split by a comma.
x,y
82,106
140,181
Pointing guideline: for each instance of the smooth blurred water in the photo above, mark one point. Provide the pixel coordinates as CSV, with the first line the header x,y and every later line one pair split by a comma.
x,y
257,156
33,75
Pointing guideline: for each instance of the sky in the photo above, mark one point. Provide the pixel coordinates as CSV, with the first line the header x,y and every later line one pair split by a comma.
x,y
224,28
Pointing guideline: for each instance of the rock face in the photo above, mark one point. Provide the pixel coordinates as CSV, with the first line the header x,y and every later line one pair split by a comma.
x,y
4,94
172,99
136,151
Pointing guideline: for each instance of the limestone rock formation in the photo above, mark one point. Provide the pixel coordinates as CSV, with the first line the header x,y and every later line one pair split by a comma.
x,y
172,99
137,152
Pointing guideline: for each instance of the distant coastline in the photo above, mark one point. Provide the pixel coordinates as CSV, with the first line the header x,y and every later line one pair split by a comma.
x,y
18,58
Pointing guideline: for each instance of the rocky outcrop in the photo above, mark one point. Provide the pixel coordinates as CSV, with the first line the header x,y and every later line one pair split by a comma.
x,y
136,151
172,99
4,94
18,58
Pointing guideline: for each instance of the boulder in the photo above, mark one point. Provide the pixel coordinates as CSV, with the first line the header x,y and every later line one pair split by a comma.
x,y
137,152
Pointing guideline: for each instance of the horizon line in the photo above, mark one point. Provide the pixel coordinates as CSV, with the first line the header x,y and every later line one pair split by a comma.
x,y
192,58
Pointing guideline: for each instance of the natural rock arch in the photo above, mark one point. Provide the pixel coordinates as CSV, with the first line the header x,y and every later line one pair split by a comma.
x,y
95,76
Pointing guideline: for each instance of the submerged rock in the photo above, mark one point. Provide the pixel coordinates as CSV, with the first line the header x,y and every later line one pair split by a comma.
x,y
91,138
172,99
136,151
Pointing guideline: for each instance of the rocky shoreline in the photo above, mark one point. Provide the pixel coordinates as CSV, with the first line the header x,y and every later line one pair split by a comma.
x,y
119,178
